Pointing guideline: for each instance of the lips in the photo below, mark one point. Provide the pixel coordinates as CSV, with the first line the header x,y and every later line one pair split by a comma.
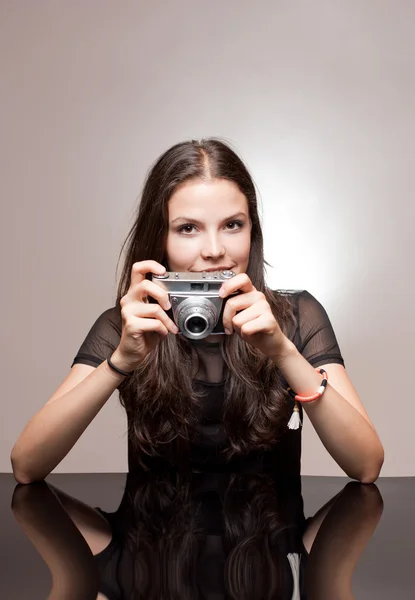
x,y
220,268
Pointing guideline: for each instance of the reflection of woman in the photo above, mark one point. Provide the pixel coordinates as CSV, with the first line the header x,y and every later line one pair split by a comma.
x,y
224,397
203,536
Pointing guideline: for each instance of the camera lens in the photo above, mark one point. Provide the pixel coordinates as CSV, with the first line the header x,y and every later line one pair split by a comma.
x,y
196,325
196,317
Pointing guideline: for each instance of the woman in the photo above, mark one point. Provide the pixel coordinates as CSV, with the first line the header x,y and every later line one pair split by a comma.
x,y
220,401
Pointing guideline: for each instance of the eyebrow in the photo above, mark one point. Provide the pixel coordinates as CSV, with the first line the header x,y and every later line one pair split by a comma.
x,y
197,222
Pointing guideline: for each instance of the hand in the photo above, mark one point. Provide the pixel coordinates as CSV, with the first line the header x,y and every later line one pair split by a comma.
x,y
144,324
255,323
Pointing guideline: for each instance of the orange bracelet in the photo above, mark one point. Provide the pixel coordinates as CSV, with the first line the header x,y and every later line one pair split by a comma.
x,y
319,392
295,420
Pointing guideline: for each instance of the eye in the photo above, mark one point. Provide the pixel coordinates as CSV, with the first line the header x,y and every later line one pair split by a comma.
x,y
238,225
188,228
185,228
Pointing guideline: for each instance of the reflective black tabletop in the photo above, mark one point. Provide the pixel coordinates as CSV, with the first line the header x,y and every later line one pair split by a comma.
x,y
210,536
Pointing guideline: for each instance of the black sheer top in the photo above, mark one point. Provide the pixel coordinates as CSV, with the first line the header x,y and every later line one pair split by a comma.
x,y
314,338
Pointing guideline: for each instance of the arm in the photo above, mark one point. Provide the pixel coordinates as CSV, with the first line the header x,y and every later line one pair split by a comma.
x,y
340,421
54,430
93,526
314,523
55,537
340,541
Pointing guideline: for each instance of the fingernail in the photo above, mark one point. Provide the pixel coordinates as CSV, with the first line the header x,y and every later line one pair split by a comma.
x,y
227,331
221,292
175,329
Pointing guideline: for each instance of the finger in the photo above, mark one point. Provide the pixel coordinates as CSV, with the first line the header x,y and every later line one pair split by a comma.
x,y
151,326
140,310
147,288
238,282
260,326
253,313
140,269
240,303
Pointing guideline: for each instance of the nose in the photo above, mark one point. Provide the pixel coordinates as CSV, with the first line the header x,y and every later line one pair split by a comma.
x,y
212,248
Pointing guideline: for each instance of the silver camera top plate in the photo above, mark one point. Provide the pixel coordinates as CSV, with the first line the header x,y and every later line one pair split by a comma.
x,y
194,283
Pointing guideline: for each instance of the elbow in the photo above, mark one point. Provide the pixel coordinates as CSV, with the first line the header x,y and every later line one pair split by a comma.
x,y
22,477
372,471
370,478
366,468
19,473
366,477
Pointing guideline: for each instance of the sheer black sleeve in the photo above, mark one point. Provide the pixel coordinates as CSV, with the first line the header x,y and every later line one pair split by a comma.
x,y
317,340
103,337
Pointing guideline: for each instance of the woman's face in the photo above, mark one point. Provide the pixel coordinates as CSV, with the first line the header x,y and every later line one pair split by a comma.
x,y
209,227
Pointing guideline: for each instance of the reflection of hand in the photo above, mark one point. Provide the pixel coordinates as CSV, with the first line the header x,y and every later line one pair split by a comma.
x,y
340,541
47,525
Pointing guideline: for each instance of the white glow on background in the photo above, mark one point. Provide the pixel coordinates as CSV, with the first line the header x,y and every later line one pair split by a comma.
x,y
302,237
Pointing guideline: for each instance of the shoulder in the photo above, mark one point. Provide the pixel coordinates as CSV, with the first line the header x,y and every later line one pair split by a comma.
x,y
311,321
108,325
303,303
295,295
102,338
111,317
291,295
300,302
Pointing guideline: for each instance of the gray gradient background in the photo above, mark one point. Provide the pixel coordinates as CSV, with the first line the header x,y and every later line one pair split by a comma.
x,y
318,97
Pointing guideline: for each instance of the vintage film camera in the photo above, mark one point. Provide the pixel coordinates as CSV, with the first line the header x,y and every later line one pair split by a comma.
x,y
197,308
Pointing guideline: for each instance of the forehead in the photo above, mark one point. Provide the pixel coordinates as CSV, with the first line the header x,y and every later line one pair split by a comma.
x,y
216,196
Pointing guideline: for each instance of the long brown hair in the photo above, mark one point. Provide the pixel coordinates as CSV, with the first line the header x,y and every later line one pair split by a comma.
x,y
159,397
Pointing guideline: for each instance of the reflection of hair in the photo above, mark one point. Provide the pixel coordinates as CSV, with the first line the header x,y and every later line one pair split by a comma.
x,y
159,537
165,518
161,404
255,516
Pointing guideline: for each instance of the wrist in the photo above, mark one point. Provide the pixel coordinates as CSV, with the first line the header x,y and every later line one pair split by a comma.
x,y
120,362
286,350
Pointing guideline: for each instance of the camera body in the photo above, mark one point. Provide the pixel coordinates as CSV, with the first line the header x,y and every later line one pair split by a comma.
x,y
197,308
